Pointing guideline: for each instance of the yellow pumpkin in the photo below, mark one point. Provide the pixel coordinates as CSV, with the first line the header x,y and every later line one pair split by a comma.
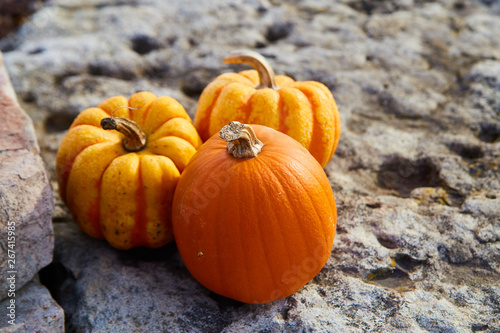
x,y
306,110
119,183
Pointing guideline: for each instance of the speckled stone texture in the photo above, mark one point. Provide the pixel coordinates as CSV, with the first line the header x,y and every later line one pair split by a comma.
x,y
36,311
416,173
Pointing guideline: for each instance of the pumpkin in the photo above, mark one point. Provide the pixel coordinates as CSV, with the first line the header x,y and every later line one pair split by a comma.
x,y
118,180
306,110
253,221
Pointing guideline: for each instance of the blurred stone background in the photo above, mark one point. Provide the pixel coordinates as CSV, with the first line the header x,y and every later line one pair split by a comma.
x,y
416,175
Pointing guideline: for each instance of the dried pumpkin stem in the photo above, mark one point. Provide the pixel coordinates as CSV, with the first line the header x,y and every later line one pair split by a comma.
x,y
134,138
241,140
257,61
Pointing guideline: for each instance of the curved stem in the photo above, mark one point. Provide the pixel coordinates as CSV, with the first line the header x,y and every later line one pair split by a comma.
x,y
241,140
134,138
257,61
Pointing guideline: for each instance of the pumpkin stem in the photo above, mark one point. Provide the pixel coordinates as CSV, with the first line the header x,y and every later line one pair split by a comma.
x,y
134,138
257,61
241,140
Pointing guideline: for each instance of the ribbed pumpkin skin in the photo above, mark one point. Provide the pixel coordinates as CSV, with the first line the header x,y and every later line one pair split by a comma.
x,y
255,230
306,110
126,197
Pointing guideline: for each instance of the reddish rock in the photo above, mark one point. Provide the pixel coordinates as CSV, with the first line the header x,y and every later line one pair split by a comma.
x,y
26,203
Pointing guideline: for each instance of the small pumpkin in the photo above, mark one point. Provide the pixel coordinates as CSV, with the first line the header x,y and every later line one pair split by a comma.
x,y
118,165
254,221
306,110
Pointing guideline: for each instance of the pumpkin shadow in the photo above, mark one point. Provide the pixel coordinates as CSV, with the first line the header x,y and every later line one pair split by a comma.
x,y
143,254
224,302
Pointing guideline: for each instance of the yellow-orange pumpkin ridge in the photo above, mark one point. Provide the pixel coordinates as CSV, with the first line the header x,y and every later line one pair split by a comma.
x,y
304,110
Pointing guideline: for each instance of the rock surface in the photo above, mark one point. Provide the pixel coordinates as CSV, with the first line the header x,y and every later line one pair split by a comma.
x,y
135,291
26,204
36,311
13,12
416,174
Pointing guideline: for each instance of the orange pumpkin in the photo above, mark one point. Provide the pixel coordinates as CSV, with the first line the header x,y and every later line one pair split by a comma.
x,y
119,184
306,111
254,221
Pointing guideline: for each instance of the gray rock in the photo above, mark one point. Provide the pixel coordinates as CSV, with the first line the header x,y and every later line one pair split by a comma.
x,y
484,98
103,289
415,174
34,310
27,238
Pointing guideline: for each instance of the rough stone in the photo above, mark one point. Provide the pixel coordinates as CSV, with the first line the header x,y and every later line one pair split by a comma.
x,y
12,12
35,311
26,203
416,173
105,289
161,295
